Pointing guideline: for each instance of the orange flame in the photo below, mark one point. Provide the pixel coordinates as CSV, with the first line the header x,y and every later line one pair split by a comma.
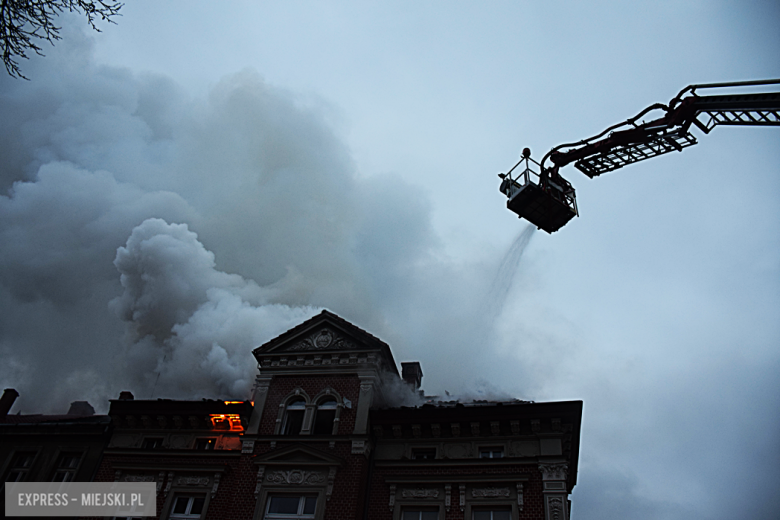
x,y
226,421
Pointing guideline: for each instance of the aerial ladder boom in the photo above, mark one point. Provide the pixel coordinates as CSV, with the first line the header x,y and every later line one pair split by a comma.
x,y
629,142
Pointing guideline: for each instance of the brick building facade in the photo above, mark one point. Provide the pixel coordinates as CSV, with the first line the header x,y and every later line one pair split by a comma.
x,y
326,436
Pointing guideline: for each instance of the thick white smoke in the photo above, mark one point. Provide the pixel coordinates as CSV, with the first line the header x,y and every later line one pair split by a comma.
x,y
118,187
192,327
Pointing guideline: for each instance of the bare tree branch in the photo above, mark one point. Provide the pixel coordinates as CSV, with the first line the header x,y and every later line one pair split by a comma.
x,y
26,23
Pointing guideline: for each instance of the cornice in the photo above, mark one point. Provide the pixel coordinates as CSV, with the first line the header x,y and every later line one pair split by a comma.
x,y
138,452
468,479
425,463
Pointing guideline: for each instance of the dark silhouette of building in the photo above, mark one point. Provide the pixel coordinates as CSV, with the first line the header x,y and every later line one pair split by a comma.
x,y
50,448
334,432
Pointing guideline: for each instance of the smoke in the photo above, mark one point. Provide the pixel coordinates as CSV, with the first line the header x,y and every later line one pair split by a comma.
x,y
149,241
191,328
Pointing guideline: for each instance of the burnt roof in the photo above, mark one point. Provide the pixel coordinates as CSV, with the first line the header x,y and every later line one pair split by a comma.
x,y
170,406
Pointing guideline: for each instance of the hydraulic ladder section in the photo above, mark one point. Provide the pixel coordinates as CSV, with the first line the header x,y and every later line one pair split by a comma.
x,y
670,133
540,195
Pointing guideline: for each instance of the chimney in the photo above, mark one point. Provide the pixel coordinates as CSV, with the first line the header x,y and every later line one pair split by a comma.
x,y
7,401
81,408
126,396
411,372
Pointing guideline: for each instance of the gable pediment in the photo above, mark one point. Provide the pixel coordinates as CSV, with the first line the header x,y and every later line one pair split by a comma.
x,y
298,455
323,338
326,331
326,340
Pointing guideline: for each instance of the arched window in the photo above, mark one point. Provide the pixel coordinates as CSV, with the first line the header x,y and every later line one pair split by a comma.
x,y
326,414
293,417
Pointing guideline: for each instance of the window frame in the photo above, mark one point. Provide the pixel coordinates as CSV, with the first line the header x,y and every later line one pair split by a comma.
x,y
310,411
334,423
190,495
405,504
157,447
266,492
286,418
175,494
420,453
72,471
420,509
300,515
473,505
210,443
492,450
492,509
25,471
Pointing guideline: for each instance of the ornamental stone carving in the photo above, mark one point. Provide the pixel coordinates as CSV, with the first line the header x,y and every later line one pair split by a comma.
x,y
457,451
323,339
520,496
192,481
554,471
295,477
555,508
260,472
331,479
138,478
490,492
420,493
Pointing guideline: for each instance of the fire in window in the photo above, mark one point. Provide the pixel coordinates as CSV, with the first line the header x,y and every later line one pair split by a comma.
x,y
226,422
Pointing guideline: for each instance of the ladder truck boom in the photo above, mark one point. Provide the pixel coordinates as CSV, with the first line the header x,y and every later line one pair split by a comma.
x,y
550,203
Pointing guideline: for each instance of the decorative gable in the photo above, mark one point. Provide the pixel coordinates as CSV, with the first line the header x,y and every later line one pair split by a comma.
x,y
325,340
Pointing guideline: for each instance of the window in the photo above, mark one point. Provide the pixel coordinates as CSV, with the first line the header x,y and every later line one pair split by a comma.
x,y
293,417
492,514
187,507
67,464
420,513
152,443
205,444
20,466
424,453
491,453
290,507
326,414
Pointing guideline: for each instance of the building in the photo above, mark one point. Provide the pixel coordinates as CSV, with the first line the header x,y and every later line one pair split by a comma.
x,y
50,448
334,432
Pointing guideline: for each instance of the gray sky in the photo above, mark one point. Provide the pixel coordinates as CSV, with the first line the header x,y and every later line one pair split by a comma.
x,y
202,176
